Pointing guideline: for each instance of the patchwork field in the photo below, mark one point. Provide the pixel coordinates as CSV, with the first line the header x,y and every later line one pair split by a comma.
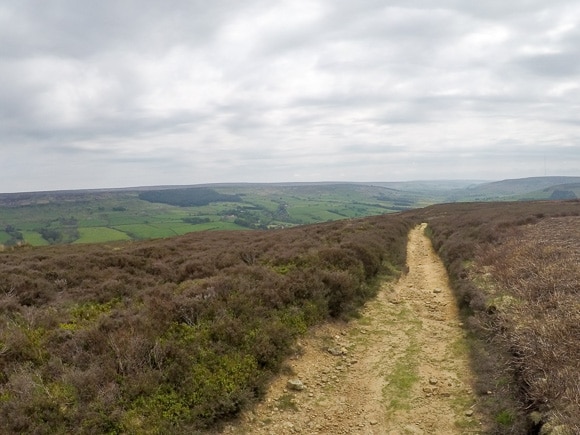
x,y
65,217
94,216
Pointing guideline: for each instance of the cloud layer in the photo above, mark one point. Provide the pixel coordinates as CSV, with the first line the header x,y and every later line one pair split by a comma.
x,y
126,93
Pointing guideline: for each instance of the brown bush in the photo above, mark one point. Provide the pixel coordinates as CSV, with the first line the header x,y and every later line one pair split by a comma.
x,y
514,267
174,334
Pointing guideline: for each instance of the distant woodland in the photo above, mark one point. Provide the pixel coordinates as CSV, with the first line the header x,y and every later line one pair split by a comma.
x,y
187,197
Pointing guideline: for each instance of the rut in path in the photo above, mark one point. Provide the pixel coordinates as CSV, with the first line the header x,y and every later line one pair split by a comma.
x,y
402,368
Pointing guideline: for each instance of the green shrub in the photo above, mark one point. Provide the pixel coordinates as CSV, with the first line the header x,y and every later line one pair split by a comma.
x,y
505,418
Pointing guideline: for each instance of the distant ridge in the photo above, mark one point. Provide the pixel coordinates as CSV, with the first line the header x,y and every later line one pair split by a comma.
x,y
452,190
519,188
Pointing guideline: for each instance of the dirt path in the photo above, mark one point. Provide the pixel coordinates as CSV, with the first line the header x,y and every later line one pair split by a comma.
x,y
399,369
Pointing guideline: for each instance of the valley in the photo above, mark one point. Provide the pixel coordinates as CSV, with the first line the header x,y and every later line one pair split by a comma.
x,y
109,215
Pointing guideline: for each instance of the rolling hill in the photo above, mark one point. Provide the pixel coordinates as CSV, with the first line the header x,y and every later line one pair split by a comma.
x,y
107,215
514,189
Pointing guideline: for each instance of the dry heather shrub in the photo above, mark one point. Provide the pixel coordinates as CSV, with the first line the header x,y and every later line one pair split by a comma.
x,y
541,328
170,336
514,269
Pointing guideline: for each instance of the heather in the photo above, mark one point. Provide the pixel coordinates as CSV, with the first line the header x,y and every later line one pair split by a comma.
x,y
178,334
515,271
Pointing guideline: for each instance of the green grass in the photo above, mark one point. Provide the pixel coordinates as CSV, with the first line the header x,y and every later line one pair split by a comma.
x,y
215,226
505,418
287,402
106,216
34,238
403,377
405,374
170,229
146,231
315,212
101,234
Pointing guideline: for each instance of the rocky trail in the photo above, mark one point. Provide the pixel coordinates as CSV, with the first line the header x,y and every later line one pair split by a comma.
x,y
401,368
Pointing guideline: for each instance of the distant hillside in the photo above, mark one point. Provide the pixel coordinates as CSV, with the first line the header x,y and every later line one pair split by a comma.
x,y
93,216
560,191
195,196
522,188
431,185
107,215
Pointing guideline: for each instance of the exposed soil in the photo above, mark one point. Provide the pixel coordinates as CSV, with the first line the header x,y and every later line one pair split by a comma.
x,y
401,368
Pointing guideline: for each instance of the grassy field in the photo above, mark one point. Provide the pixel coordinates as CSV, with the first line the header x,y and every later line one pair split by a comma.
x,y
93,217
100,234
106,216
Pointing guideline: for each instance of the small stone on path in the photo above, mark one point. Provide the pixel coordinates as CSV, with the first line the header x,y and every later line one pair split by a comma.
x,y
295,384
337,351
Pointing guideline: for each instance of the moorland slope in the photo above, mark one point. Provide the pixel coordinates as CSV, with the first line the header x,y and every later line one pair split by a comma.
x,y
401,367
96,216
514,268
180,334
175,335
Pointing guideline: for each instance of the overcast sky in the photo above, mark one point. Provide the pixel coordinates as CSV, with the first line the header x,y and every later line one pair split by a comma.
x,y
116,93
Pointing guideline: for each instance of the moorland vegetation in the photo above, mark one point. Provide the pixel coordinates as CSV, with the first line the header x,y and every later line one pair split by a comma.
x,y
515,270
174,335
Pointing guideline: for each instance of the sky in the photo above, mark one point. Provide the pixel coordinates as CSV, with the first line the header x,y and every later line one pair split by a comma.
x,y
121,93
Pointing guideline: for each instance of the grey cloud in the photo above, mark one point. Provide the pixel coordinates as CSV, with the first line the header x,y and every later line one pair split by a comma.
x,y
365,148
230,91
498,9
552,65
79,29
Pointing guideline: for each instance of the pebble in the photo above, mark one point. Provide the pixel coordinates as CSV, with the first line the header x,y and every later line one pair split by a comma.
x,y
337,351
295,385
